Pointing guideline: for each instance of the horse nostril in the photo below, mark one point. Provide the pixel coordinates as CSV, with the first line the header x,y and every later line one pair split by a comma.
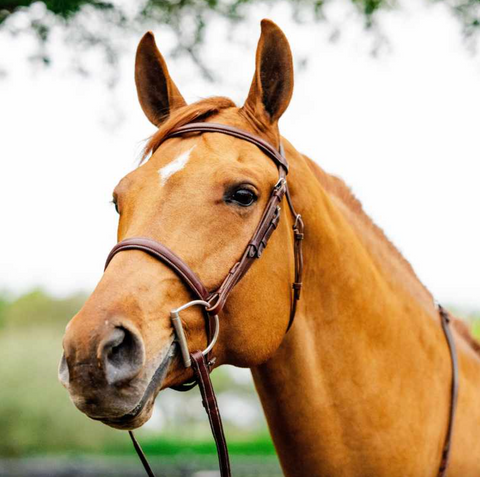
x,y
122,354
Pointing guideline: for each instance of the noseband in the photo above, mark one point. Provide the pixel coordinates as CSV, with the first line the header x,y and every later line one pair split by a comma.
x,y
214,301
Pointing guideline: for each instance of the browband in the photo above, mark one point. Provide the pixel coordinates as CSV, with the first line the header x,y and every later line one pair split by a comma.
x,y
266,147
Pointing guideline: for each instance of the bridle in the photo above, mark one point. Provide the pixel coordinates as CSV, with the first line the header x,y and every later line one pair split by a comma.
x,y
214,301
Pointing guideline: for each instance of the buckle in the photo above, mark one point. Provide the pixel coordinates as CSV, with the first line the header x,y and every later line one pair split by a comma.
x,y
179,331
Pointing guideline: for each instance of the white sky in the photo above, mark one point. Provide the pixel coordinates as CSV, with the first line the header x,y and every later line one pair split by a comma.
x,y
402,130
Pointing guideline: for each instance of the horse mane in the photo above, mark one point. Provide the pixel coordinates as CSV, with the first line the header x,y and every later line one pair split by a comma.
x,y
198,111
339,189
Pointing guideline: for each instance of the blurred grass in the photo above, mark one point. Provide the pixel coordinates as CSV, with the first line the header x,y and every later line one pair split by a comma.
x,y
35,412
257,446
37,417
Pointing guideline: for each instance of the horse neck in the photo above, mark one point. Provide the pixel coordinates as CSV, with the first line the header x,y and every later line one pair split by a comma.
x,y
331,393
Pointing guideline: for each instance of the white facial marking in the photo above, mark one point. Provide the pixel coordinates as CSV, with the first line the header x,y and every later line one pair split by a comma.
x,y
176,165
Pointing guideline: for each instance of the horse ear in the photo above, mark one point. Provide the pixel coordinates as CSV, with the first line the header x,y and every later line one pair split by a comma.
x,y
157,93
272,84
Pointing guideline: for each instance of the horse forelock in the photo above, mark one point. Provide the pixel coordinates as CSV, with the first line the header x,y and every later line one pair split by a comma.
x,y
198,111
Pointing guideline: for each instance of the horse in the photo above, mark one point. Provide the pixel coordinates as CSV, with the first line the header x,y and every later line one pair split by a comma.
x,y
360,383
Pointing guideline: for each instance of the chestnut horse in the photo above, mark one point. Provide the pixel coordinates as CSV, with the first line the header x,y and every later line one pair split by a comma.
x,y
360,384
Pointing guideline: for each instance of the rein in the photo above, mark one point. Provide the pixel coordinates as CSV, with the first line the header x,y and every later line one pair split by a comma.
x,y
213,302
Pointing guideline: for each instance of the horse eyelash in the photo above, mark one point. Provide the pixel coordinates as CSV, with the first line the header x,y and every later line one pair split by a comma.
x,y
115,204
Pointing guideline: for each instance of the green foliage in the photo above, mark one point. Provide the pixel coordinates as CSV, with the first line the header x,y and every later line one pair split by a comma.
x,y
187,20
39,308
475,320
4,303
63,8
476,329
36,414
37,417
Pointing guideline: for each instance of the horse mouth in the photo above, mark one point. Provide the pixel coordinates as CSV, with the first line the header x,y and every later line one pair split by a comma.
x,y
142,411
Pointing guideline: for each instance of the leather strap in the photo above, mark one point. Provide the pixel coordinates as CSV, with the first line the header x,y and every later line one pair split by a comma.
x,y
298,235
445,317
257,244
277,156
202,373
141,455
165,255
209,401
254,249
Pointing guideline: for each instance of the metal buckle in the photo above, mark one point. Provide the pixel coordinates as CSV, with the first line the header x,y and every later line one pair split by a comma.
x,y
182,340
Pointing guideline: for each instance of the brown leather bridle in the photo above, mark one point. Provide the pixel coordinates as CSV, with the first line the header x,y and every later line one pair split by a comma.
x,y
214,301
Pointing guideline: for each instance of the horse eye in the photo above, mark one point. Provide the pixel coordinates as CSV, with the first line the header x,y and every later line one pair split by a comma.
x,y
243,197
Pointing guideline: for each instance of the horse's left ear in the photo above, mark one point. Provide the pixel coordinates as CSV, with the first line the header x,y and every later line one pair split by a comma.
x,y
272,84
157,93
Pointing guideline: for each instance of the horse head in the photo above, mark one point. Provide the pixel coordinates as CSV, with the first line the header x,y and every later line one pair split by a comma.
x,y
202,196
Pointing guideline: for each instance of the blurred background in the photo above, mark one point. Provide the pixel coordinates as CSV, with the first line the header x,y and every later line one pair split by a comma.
x,y
387,97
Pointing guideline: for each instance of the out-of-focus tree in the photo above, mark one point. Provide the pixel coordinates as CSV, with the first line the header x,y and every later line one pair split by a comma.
x,y
98,24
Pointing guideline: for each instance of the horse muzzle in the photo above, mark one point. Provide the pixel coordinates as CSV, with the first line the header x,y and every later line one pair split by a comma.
x,y
111,380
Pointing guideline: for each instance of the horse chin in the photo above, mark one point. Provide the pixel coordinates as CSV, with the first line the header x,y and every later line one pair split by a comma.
x,y
129,422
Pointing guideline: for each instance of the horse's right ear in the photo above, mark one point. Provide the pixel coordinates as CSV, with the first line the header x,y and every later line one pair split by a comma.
x,y
157,93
